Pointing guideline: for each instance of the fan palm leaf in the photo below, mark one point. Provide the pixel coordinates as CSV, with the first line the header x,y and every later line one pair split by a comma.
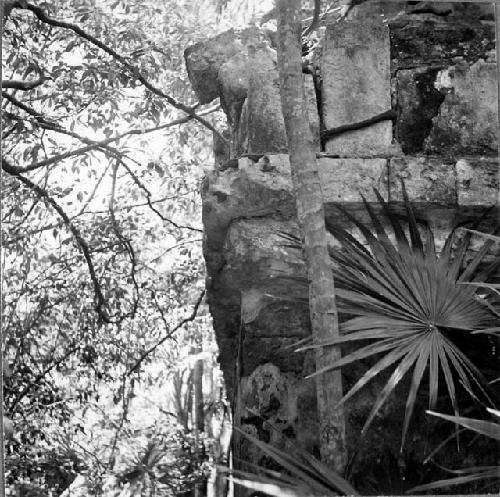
x,y
489,429
409,304
305,476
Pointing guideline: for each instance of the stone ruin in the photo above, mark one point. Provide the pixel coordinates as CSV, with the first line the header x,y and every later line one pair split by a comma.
x,y
435,69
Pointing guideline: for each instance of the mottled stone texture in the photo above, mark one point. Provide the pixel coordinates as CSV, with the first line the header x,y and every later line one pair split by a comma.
x,y
239,67
205,59
355,68
265,127
435,67
427,180
467,119
477,181
432,41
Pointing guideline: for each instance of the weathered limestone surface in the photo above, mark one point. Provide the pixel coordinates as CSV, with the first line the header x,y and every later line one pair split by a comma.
x,y
427,180
432,41
262,128
435,67
356,67
205,59
343,180
233,78
265,127
468,117
477,181
240,67
283,396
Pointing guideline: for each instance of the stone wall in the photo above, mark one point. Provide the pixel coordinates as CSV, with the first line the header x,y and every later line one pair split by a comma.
x,y
435,69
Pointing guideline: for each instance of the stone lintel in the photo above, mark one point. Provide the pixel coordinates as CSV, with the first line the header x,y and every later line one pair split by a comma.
x,y
427,180
343,180
470,181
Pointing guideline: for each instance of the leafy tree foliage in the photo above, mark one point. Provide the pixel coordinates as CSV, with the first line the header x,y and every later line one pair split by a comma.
x,y
104,147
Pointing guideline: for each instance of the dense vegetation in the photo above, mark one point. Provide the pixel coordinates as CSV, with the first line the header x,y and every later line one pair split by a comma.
x,y
103,311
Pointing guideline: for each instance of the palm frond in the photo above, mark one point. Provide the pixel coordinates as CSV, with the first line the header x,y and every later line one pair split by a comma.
x,y
495,238
302,476
411,303
466,477
489,429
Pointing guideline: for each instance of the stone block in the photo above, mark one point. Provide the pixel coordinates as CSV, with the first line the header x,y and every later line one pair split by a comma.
x,y
271,171
288,401
342,180
467,119
478,181
356,85
258,255
233,86
204,59
427,180
430,41
265,126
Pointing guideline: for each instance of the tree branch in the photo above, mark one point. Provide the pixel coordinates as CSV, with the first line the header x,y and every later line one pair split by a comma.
x,y
18,84
57,128
388,115
315,21
81,212
93,144
191,317
134,71
143,187
27,234
81,242
29,110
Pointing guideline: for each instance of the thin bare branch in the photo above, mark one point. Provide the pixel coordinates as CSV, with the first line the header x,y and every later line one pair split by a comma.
x,y
82,212
315,21
93,145
143,187
186,320
29,110
17,84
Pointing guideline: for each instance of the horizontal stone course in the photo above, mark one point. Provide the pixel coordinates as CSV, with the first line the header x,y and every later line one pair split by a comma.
x,y
427,179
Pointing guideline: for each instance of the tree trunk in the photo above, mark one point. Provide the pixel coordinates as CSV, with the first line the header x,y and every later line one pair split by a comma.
x,y
199,420
497,42
310,213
